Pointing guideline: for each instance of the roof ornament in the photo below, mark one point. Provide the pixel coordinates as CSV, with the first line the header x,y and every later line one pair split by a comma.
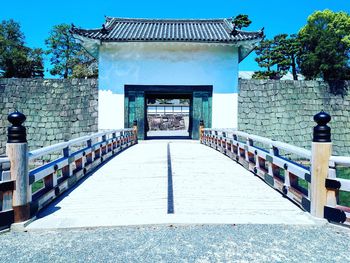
x,y
261,32
104,30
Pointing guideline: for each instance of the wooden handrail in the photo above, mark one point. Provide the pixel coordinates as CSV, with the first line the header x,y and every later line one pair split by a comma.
x,y
341,160
60,174
60,146
76,158
265,164
269,164
282,145
4,159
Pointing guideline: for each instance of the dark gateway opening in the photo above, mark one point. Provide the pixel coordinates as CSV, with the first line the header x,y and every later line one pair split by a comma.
x,y
168,116
166,111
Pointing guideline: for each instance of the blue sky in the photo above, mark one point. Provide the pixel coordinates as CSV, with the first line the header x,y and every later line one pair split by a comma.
x,y
278,16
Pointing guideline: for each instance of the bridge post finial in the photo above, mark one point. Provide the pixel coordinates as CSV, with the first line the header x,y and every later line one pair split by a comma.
x,y
321,152
16,133
201,130
17,152
135,130
322,132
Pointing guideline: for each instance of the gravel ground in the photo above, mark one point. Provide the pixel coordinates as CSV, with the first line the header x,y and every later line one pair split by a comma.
x,y
208,243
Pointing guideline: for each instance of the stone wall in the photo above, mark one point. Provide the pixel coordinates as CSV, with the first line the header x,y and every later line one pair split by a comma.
x,y
56,109
59,110
284,110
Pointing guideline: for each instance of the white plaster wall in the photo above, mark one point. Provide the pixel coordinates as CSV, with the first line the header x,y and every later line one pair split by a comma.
x,y
225,110
166,64
110,110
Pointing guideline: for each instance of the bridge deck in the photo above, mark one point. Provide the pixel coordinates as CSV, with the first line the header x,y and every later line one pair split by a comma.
x,y
133,189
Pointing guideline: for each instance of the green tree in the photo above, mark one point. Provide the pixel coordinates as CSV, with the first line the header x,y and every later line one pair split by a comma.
x,y
87,67
69,58
278,56
264,54
63,50
266,59
36,63
325,46
241,21
286,51
17,60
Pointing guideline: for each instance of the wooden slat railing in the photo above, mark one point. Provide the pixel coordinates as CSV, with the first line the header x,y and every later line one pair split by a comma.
x,y
78,157
6,190
338,189
33,184
287,176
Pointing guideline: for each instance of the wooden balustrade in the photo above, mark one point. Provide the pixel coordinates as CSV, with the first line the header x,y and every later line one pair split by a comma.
x,y
7,186
311,179
274,169
62,173
338,188
317,188
23,193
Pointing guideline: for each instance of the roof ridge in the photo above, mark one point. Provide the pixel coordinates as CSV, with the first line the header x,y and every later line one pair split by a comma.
x,y
167,30
109,19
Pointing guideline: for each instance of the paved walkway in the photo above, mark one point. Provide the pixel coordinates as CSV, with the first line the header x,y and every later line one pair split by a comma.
x,y
170,182
209,243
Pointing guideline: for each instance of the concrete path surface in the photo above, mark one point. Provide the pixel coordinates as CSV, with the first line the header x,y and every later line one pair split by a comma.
x,y
209,243
170,182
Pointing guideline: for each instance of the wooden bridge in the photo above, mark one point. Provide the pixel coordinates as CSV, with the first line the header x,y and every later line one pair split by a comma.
x,y
111,179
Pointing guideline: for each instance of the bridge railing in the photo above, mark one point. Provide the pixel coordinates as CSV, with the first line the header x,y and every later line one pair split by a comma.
x,y
78,157
316,181
6,191
291,177
338,189
28,182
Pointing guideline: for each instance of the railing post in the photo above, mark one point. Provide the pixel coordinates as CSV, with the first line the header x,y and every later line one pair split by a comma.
x,y
135,130
249,143
321,152
201,129
17,151
67,170
224,140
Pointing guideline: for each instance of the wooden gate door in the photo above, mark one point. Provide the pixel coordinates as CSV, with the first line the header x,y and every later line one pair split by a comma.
x,y
201,110
135,105
134,109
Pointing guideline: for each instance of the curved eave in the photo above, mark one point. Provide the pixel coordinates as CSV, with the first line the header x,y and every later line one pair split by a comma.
x,y
245,47
124,35
180,40
245,50
91,45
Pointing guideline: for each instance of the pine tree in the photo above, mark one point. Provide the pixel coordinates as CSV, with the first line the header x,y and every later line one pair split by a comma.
x,y
17,60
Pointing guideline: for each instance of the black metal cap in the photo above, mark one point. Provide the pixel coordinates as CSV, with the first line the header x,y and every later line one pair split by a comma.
x,y
134,123
322,132
16,133
201,123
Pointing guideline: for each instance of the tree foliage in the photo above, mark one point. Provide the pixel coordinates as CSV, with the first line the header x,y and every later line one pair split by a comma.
x,y
241,21
87,67
278,56
68,57
264,54
325,46
17,60
286,51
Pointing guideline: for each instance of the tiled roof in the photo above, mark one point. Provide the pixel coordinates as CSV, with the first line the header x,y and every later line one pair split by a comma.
x,y
167,30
